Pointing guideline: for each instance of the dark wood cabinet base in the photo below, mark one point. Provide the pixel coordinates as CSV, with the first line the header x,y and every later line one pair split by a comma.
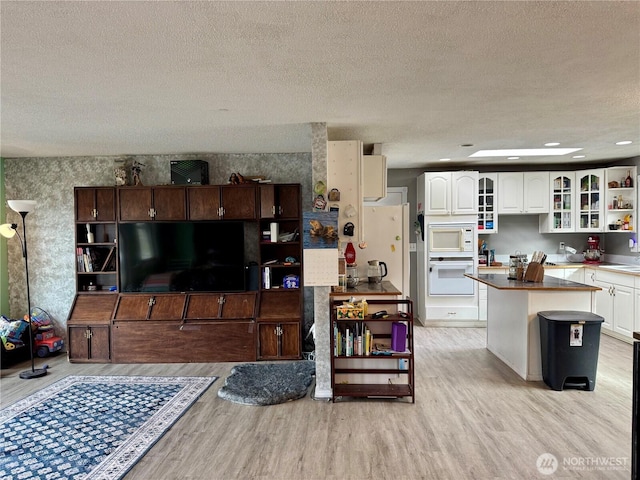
x,y
176,342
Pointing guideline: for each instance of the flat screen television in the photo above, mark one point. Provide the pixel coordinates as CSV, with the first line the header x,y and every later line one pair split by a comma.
x,y
181,256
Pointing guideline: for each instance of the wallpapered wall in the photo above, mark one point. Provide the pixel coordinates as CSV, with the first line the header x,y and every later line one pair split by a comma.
x,y
50,228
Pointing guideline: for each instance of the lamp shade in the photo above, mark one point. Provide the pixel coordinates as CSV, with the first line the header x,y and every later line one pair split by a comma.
x,y
22,206
8,230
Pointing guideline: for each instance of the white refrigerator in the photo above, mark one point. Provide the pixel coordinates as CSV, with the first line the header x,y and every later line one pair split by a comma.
x,y
386,233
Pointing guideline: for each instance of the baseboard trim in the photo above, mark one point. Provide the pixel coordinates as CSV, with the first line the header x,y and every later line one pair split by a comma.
x,y
617,336
323,394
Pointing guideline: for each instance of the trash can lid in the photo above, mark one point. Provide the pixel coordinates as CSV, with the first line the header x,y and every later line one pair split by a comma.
x,y
572,316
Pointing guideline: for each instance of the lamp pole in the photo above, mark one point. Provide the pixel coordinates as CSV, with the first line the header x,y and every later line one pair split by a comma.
x,y
23,207
34,372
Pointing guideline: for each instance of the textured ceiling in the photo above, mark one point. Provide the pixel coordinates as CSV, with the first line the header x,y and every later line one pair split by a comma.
x,y
421,78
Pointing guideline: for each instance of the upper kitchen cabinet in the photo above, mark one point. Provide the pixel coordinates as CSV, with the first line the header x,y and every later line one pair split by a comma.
x,y
450,193
344,172
487,204
279,201
621,199
523,192
561,215
95,204
374,177
591,208
222,202
164,203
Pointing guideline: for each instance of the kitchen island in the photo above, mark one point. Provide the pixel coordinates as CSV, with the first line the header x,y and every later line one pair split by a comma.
x,y
513,331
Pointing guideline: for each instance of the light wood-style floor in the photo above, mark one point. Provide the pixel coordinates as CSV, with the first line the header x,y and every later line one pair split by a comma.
x,y
473,418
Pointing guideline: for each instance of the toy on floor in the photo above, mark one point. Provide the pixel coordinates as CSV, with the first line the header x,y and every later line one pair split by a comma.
x,y
46,341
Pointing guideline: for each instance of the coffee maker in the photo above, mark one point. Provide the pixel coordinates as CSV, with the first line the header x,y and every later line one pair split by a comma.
x,y
593,253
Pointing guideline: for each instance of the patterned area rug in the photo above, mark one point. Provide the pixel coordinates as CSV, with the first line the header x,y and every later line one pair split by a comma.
x,y
91,427
268,384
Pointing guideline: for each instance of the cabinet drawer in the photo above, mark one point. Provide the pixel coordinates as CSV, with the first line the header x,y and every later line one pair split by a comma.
x,y
218,305
174,342
616,278
94,309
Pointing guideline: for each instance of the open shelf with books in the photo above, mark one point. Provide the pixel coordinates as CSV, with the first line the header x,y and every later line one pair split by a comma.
x,y
372,351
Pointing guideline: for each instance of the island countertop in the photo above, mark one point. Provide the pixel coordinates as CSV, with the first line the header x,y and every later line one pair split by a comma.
x,y
502,282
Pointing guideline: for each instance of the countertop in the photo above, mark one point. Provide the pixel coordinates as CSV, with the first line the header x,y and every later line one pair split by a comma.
x,y
370,289
501,282
609,267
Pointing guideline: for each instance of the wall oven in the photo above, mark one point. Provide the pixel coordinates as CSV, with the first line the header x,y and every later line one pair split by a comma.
x,y
446,276
451,253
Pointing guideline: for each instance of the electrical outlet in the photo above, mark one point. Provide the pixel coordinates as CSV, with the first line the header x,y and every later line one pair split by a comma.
x,y
561,248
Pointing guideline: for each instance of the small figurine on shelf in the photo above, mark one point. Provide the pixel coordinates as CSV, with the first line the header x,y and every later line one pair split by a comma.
x,y
120,172
136,168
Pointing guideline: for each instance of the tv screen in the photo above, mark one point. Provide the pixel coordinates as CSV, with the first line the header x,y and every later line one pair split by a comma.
x,y
181,257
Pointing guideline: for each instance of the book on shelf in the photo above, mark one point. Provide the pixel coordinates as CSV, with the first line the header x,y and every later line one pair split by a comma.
x,y
352,339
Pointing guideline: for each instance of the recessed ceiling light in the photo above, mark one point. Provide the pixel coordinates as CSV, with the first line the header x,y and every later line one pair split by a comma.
x,y
579,156
524,152
552,144
445,159
513,158
466,144
624,142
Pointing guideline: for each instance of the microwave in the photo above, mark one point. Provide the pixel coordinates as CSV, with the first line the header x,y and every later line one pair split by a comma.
x,y
450,238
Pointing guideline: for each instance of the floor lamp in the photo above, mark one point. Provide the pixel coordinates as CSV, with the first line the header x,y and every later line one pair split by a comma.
x,y
9,230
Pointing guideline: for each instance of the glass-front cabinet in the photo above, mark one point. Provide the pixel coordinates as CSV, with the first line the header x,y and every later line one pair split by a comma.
x,y
562,202
487,204
590,200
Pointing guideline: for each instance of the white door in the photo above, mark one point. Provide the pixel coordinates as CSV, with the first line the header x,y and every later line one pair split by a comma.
x,y
536,192
464,193
510,192
437,199
386,232
623,310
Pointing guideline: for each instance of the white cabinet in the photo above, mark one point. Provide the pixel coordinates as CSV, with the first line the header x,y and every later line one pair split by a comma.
x,y
487,203
482,290
561,215
590,204
621,199
523,192
450,193
344,172
615,302
374,177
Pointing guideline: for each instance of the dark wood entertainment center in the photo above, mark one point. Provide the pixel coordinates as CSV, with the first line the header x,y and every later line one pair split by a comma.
x,y
108,325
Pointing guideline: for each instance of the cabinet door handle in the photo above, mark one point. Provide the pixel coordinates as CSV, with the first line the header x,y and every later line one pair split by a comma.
x,y
273,209
88,334
152,301
94,213
279,210
152,212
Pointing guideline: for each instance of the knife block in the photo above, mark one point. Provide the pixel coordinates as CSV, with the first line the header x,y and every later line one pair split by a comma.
x,y
534,273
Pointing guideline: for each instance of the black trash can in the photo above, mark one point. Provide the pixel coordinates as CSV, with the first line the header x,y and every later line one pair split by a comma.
x,y
569,342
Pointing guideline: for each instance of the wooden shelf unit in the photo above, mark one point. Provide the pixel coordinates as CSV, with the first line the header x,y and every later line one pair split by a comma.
x,y
106,325
373,376
280,313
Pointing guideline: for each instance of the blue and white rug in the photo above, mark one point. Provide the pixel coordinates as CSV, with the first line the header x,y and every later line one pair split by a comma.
x,y
91,427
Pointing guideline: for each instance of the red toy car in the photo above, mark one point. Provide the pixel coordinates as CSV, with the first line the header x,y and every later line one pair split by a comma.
x,y
47,342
